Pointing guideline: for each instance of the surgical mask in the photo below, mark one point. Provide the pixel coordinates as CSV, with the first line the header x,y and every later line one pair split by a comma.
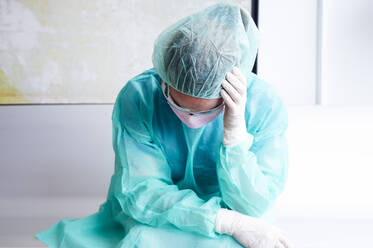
x,y
191,118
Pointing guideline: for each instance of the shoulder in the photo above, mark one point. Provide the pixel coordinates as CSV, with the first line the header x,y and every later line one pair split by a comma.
x,y
262,90
267,112
140,86
132,108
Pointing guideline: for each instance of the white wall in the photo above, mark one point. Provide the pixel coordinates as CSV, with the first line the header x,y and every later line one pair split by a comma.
x,y
319,56
66,151
56,163
45,149
318,52
287,52
55,150
330,163
347,52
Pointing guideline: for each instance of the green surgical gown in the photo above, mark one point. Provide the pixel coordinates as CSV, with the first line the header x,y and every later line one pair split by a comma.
x,y
170,180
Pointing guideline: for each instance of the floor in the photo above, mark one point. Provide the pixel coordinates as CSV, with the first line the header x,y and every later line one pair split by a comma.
x,y
315,233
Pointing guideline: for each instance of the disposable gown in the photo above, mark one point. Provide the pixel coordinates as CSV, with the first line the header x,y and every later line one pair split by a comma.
x,y
170,180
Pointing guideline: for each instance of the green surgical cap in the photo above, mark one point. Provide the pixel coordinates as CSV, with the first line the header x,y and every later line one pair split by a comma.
x,y
194,54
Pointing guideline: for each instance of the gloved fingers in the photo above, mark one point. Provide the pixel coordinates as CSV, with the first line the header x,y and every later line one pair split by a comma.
x,y
227,100
236,83
279,245
282,237
285,242
236,71
232,92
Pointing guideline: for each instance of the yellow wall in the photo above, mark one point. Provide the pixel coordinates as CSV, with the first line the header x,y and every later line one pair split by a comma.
x,y
79,51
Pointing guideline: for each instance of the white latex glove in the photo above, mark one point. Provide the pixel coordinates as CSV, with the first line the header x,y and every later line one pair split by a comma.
x,y
234,94
249,231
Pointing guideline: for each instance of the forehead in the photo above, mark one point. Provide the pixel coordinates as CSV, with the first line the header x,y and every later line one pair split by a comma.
x,y
191,99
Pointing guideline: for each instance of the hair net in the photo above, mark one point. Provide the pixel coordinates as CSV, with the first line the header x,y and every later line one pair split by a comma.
x,y
194,54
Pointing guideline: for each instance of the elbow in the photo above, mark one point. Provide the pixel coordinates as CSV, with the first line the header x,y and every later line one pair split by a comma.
x,y
254,204
259,205
256,209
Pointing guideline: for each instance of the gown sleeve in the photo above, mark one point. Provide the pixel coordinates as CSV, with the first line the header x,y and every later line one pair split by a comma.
x,y
252,174
144,188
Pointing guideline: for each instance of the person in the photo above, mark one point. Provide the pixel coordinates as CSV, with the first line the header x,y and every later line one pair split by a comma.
x,y
200,146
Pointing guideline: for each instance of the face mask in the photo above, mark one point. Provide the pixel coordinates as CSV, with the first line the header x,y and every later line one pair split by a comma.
x,y
190,118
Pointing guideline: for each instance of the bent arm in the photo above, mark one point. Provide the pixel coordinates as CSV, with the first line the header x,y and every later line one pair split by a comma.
x,y
147,193
250,182
252,174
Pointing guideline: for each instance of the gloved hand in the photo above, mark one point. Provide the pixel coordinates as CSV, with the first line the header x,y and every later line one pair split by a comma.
x,y
234,95
249,231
